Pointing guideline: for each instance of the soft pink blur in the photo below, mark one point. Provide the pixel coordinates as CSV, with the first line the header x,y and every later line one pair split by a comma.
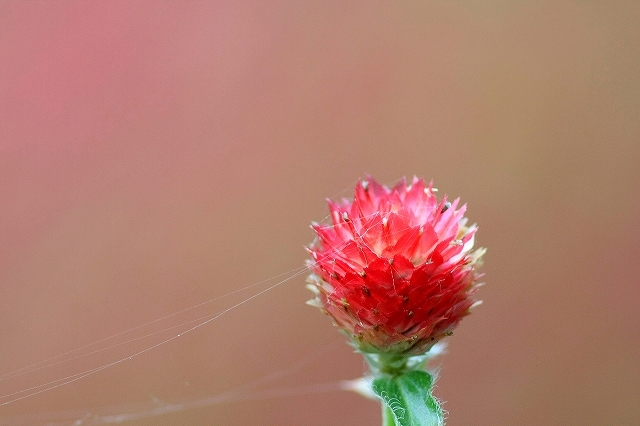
x,y
155,155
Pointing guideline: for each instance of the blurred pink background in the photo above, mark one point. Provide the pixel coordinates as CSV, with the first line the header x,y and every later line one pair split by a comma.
x,y
156,155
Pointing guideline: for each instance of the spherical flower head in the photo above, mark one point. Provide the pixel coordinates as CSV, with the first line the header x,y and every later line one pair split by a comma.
x,y
396,270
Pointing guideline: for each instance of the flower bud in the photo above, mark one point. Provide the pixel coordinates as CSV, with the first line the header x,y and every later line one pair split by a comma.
x,y
396,270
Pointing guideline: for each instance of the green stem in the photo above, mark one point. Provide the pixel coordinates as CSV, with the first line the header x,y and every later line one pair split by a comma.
x,y
387,416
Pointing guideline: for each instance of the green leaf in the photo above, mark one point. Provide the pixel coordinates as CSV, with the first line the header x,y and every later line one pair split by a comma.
x,y
409,399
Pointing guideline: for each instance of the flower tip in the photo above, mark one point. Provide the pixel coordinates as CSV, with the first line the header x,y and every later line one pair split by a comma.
x,y
314,302
476,303
314,289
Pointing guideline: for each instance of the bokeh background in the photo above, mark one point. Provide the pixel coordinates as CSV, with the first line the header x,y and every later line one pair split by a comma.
x,y
157,155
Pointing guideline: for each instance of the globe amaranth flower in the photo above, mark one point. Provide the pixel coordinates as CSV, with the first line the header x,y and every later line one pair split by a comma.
x,y
396,270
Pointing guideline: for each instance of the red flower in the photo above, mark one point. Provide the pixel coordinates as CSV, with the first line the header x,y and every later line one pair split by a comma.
x,y
396,270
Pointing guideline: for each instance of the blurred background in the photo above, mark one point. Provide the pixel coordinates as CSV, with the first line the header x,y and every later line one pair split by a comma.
x,y
157,155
